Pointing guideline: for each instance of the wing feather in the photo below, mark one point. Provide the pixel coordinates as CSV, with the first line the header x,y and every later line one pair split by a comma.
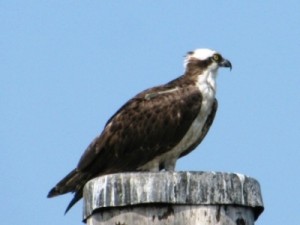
x,y
150,124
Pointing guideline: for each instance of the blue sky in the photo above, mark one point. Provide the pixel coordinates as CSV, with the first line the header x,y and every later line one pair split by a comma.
x,y
67,66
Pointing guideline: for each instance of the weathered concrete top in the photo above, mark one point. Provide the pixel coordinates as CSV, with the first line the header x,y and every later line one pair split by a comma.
x,y
184,188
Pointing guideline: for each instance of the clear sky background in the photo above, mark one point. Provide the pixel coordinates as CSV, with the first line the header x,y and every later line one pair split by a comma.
x,y
67,66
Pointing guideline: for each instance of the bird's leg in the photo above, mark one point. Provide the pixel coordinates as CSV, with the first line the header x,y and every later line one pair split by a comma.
x,y
170,164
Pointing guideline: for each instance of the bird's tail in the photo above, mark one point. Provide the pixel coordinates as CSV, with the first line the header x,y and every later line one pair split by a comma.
x,y
76,198
73,182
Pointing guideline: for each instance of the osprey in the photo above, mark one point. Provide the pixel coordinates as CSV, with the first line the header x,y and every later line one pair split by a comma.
x,y
154,128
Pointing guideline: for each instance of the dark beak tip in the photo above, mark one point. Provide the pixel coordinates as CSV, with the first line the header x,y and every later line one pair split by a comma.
x,y
227,63
230,66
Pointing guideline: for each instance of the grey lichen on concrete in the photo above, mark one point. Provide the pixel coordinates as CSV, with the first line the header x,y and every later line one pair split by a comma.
x,y
175,188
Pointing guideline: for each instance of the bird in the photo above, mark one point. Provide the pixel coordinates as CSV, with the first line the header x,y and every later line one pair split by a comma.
x,y
154,128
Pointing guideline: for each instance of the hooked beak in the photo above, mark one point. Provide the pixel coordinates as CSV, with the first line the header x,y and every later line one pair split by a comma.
x,y
225,63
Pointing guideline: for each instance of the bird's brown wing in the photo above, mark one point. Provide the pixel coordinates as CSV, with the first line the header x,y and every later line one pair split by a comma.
x,y
148,125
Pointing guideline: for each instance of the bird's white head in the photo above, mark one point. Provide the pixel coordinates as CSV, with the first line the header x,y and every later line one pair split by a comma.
x,y
206,59
202,53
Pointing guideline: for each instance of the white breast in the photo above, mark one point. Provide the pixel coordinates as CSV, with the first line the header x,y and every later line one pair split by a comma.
x,y
207,85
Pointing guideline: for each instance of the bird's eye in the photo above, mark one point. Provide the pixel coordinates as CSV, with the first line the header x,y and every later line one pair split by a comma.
x,y
217,57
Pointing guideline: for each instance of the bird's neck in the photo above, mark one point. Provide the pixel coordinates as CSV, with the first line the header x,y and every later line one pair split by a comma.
x,y
206,82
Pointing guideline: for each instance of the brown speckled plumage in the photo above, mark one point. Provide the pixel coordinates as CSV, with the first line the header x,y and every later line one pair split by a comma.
x,y
148,125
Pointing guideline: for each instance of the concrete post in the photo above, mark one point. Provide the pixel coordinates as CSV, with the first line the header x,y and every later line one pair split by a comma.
x,y
172,198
